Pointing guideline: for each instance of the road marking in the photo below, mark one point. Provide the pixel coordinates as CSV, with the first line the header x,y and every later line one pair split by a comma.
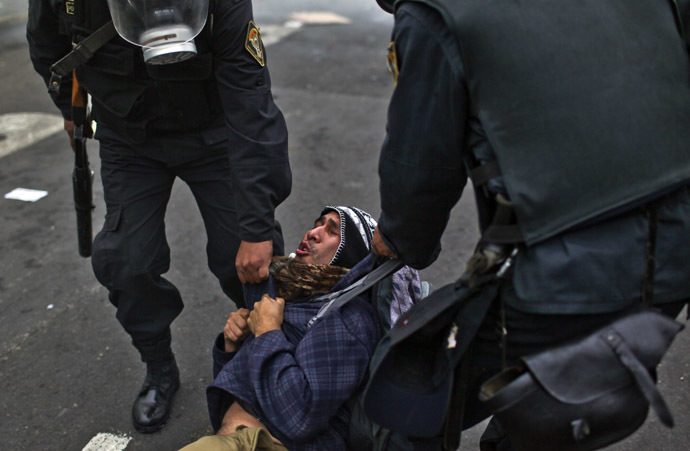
x,y
107,442
319,18
25,194
19,130
271,34
13,18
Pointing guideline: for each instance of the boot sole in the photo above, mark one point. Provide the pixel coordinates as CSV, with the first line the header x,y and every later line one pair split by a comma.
x,y
157,427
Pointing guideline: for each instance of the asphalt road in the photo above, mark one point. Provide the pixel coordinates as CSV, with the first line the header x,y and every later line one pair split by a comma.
x,y
67,370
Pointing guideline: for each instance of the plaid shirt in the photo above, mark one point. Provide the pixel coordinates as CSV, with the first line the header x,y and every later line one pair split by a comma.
x,y
297,379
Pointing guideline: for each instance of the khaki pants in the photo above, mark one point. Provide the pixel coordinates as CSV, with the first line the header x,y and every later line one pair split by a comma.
x,y
243,439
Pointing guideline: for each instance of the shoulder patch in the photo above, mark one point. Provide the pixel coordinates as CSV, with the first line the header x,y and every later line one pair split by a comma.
x,y
253,43
392,63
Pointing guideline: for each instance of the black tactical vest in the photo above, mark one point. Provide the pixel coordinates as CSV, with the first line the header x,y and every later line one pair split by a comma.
x,y
134,97
586,104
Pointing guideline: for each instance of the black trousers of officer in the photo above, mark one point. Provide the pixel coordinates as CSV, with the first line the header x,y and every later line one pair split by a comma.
x,y
131,251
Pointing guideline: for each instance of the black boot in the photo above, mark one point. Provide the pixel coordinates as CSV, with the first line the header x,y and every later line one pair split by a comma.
x,y
152,407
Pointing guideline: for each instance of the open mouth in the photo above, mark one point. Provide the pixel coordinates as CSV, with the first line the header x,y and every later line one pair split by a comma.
x,y
303,249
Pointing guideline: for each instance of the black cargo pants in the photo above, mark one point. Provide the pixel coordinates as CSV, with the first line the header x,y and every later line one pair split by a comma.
x,y
131,251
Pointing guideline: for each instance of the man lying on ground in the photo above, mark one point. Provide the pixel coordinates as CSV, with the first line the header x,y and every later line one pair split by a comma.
x,y
280,381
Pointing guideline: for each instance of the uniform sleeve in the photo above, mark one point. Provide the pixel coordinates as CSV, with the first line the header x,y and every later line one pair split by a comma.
x,y
421,169
47,46
301,388
684,10
258,143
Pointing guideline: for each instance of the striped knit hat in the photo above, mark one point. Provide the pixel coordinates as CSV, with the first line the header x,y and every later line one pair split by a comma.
x,y
356,231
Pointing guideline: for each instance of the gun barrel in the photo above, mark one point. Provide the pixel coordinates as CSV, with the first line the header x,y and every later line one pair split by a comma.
x,y
82,183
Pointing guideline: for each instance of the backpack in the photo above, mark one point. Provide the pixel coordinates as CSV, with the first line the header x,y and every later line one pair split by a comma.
x,y
392,296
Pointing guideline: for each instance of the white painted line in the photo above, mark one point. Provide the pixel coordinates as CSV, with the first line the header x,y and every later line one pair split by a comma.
x,y
270,34
107,442
19,130
319,18
26,195
293,24
13,18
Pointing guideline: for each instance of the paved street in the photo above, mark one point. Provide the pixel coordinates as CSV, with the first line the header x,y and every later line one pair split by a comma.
x,y
67,369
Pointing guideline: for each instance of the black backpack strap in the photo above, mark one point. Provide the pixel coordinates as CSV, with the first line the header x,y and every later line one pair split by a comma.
x,y
342,297
640,374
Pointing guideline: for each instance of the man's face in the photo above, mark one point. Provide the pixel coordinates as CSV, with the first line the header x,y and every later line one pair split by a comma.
x,y
319,244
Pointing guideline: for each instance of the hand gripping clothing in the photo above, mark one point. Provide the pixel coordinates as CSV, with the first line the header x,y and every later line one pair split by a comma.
x,y
297,379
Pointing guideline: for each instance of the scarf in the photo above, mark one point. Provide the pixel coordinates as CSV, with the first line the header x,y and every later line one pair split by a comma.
x,y
295,281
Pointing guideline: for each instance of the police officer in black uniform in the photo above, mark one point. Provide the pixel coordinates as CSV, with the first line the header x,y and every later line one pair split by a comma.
x,y
572,119
209,120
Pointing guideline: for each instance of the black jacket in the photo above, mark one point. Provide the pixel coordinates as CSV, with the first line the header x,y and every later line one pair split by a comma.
x,y
223,92
433,125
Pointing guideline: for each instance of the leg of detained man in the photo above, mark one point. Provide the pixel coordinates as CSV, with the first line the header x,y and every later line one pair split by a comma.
x,y
243,439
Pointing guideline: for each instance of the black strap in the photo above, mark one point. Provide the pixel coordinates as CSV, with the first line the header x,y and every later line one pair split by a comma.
x,y
485,172
503,228
652,225
640,375
452,431
342,297
502,234
84,51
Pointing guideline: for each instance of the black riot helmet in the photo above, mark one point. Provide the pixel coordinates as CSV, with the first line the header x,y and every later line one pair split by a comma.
x,y
386,5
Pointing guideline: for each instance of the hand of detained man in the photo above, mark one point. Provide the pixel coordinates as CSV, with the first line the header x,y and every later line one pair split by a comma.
x,y
267,315
236,330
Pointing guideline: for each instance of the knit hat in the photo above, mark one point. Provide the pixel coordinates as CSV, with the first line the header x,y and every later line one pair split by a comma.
x,y
356,231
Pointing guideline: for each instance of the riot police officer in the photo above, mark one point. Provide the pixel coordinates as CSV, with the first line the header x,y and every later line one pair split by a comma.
x,y
571,120
180,91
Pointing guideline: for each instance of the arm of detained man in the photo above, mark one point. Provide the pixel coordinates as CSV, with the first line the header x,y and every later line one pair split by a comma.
x,y
421,169
295,384
260,169
236,330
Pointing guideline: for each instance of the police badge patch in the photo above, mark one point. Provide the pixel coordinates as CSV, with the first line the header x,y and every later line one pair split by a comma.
x,y
253,43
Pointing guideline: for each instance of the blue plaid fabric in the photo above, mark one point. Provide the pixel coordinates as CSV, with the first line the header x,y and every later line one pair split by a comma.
x,y
295,380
